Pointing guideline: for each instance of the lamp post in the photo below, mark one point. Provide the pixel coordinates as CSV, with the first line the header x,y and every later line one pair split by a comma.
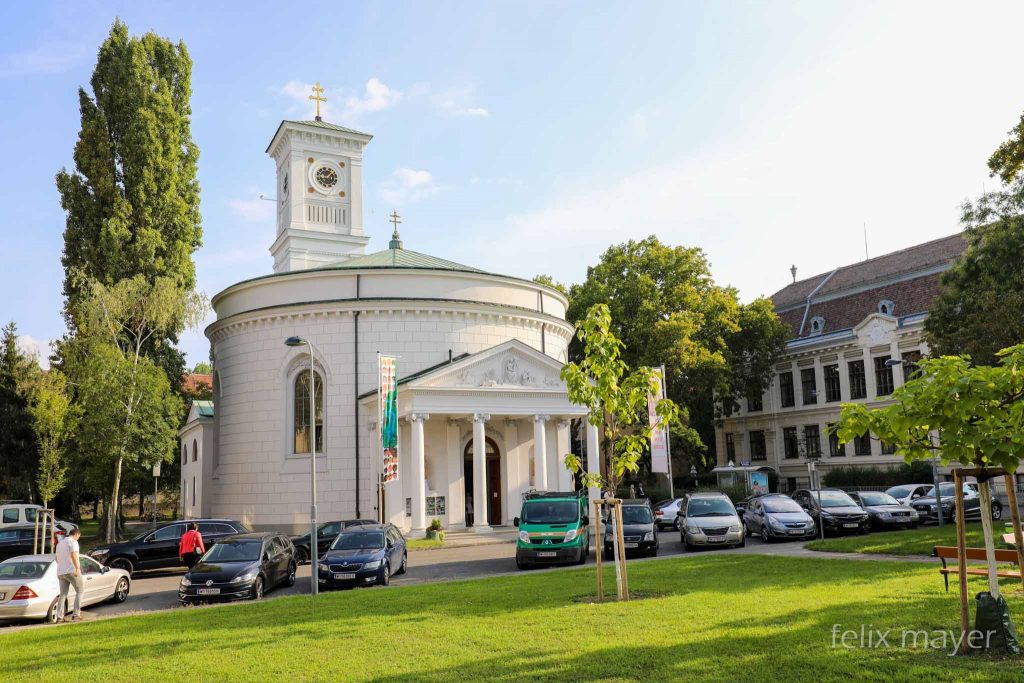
x,y
314,548
891,363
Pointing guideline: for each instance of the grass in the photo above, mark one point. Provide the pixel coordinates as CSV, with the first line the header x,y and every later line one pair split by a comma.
x,y
709,617
423,543
918,541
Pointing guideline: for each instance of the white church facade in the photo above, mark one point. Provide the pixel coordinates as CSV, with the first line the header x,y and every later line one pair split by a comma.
x,y
483,414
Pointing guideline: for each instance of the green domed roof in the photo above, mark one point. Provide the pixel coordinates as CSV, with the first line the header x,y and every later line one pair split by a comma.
x,y
399,258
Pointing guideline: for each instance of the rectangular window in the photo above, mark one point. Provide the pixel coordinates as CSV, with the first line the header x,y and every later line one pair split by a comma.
x,y
911,370
888,449
790,448
835,449
193,490
11,516
757,446
754,404
883,376
862,444
858,382
808,387
812,441
832,390
786,389
730,448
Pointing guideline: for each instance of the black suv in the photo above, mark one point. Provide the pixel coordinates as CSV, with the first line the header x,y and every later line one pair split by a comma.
x,y
158,548
837,512
639,530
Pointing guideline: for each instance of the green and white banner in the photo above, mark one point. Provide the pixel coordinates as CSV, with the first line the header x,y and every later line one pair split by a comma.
x,y
387,396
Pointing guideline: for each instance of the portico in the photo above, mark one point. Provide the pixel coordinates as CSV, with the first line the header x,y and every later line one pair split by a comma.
x,y
475,434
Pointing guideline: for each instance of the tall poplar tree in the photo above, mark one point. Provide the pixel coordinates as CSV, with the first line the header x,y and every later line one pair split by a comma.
x,y
17,440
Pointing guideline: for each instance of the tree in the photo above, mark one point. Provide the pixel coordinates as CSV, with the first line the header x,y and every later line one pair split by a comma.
x,y
17,440
977,410
549,281
54,420
667,309
203,368
616,399
1007,161
130,410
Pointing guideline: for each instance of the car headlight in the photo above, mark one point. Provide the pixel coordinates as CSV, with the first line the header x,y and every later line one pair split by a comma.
x,y
884,515
323,567
372,565
570,535
649,536
734,529
776,523
524,536
826,515
185,582
693,528
100,552
914,515
242,578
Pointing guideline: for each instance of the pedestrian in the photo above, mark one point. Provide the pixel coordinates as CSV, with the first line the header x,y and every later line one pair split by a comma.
x,y
69,573
191,547
640,490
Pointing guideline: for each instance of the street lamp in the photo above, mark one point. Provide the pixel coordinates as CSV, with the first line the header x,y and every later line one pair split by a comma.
x,y
891,363
314,548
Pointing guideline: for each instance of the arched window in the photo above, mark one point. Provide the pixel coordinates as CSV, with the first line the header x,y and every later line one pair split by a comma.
x,y
301,412
195,450
491,449
184,454
886,307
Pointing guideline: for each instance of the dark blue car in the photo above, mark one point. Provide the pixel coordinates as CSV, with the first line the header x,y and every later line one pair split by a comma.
x,y
363,556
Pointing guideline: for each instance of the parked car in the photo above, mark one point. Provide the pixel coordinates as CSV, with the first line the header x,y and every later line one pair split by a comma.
x,y
158,548
364,556
666,513
885,512
15,513
639,532
325,535
908,493
240,567
775,516
21,539
927,506
709,519
838,513
553,529
29,588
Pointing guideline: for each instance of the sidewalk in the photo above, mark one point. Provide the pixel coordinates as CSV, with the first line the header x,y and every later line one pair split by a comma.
x,y
469,538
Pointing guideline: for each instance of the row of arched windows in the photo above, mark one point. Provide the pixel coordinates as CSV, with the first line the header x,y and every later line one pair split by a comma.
x,y
184,452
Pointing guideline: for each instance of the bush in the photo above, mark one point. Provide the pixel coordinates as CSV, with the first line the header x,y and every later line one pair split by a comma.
x,y
435,525
853,477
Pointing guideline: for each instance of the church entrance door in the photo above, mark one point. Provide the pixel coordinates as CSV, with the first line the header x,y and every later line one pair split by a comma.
x,y
493,483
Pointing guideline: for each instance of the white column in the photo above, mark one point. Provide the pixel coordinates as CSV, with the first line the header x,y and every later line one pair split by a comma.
x,y
593,457
513,476
562,438
417,472
456,485
480,473
869,373
898,371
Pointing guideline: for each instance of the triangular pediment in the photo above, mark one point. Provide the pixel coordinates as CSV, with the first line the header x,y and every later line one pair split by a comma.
x,y
876,329
510,365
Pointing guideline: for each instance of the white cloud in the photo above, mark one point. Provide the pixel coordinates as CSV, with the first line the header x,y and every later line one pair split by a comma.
x,y
377,97
407,185
453,102
254,210
40,348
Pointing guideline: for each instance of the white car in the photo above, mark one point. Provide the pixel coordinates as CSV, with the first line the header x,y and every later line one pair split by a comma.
x,y
665,513
13,514
29,588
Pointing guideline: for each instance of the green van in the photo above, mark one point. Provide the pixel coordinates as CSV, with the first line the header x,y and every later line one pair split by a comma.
x,y
553,529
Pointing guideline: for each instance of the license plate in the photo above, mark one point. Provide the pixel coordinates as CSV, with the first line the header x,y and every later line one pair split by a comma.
x,y
851,526
344,577
632,545
797,532
716,539
547,554
209,591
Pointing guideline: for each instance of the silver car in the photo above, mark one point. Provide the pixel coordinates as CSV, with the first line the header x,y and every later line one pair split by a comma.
x,y
665,513
29,588
710,520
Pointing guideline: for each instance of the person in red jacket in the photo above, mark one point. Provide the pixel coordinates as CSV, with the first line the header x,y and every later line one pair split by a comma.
x,y
191,547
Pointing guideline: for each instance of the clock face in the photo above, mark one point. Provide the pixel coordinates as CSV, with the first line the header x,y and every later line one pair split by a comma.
x,y
326,177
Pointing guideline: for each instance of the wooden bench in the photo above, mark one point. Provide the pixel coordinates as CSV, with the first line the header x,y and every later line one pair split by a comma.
x,y
1003,556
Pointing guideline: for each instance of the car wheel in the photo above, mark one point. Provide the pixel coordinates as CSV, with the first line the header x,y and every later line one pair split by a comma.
x,y
122,563
51,613
405,563
300,556
746,530
385,575
765,536
675,524
523,566
997,510
742,543
290,579
257,588
121,590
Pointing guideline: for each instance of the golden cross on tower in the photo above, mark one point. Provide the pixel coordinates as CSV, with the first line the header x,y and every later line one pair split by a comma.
x,y
395,220
318,96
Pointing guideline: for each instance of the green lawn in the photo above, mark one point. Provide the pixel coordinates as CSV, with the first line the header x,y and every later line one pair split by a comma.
x,y
918,541
709,617
423,543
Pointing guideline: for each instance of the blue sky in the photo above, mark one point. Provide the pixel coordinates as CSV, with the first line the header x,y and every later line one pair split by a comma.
x,y
526,137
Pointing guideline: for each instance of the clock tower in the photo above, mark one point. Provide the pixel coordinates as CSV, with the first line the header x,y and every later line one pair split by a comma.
x,y
319,194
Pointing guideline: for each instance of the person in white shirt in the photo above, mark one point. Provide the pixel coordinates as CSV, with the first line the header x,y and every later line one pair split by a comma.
x,y
69,573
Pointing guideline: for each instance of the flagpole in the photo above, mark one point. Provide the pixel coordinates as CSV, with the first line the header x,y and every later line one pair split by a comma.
x,y
668,436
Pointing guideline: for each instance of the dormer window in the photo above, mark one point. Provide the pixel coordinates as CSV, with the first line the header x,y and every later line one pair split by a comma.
x,y
817,325
886,307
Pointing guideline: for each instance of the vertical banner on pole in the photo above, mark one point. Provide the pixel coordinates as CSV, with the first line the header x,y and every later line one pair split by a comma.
x,y
659,432
387,396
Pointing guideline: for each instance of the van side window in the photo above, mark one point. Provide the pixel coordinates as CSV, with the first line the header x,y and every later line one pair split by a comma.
x,y
11,516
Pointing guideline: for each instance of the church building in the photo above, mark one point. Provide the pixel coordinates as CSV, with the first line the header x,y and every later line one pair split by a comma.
x,y
483,414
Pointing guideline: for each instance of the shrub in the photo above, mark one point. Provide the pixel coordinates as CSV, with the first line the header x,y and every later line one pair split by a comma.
x,y
435,525
853,477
